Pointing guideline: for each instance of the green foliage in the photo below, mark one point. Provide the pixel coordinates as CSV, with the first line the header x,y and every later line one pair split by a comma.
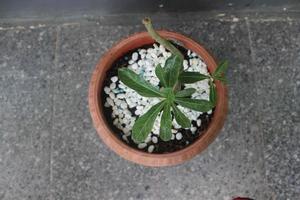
x,y
212,93
144,124
172,69
185,93
171,76
219,73
160,73
195,104
137,83
192,77
180,118
166,123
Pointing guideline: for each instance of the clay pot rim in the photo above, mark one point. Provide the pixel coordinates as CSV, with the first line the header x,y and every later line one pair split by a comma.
x,y
124,150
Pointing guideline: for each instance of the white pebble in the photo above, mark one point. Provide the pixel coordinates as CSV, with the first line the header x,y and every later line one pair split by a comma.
x,y
112,95
140,107
199,122
137,112
123,105
112,86
124,137
162,48
141,63
126,130
185,64
114,79
193,129
150,148
134,66
134,56
110,101
142,145
116,121
106,90
194,54
118,102
120,96
148,139
173,137
179,136
154,139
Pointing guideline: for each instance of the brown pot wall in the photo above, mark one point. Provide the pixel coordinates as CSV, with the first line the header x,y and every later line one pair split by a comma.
x,y
118,146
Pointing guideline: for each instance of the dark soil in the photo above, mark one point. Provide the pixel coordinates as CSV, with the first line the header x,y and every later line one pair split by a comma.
x,y
160,147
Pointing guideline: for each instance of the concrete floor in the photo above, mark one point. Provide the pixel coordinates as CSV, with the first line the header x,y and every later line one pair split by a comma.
x,y
50,150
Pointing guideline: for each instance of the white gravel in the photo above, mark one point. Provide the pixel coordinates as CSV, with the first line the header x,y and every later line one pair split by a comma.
x,y
121,98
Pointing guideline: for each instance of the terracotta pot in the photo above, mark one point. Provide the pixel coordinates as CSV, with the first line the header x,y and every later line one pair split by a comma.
x,y
118,146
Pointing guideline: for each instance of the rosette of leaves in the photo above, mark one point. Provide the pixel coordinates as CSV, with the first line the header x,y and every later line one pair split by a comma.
x,y
171,76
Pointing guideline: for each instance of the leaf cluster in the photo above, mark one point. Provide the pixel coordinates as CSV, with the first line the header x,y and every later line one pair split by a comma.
x,y
171,76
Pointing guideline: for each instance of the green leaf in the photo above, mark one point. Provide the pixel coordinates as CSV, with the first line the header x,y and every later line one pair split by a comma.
x,y
137,83
191,77
219,73
144,124
181,119
186,92
160,73
220,78
172,68
168,93
166,123
195,104
212,93
221,69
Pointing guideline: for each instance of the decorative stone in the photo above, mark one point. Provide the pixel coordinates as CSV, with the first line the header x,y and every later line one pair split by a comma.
x,y
114,79
142,145
178,136
135,56
154,139
150,148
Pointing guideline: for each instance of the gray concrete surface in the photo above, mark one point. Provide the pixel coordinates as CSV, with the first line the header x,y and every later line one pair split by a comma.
x,y
50,150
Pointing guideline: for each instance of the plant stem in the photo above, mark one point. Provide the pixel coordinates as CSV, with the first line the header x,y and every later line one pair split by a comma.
x,y
148,24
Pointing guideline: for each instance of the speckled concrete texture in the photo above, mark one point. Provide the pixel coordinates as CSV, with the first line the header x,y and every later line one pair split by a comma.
x,y
50,150
277,53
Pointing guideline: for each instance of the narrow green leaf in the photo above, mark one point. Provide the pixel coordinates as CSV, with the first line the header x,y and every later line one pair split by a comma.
x,y
160,73
195,104
186,92
144,124
212,93
221,69
220,78
166,123
181,119
191,77
172,68
219,73
137,83
168,93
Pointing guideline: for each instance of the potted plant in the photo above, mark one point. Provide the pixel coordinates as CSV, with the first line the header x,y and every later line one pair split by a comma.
x,y
158,98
